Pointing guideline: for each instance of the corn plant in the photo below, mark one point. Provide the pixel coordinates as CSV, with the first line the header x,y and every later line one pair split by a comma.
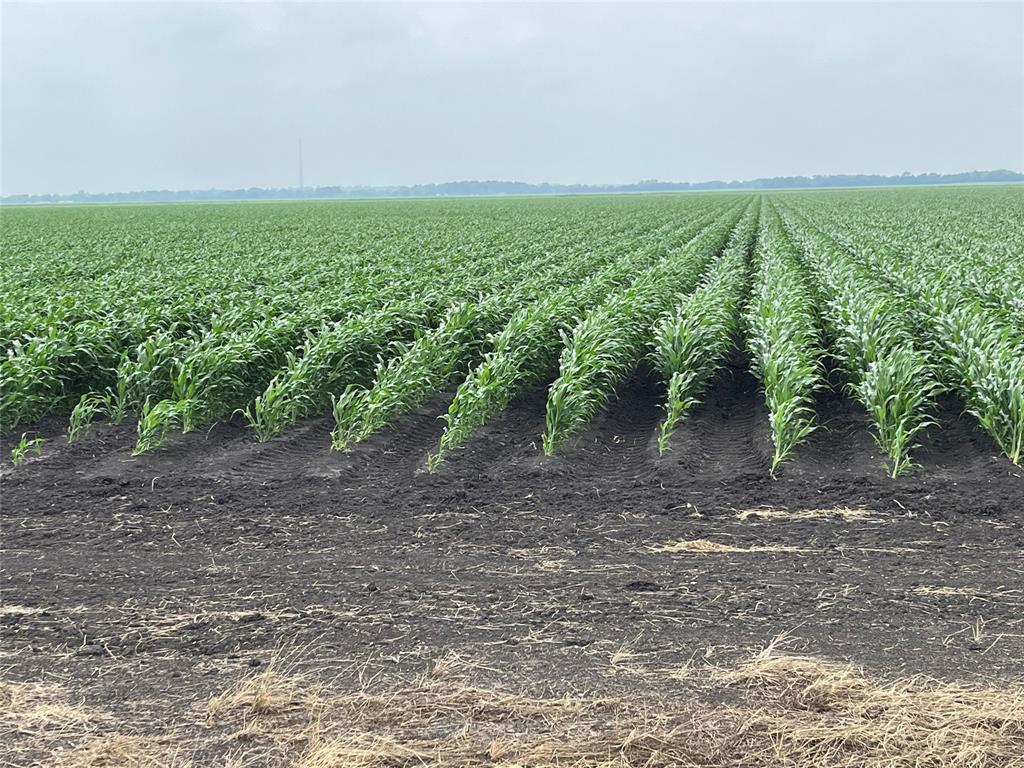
x,y
333,357
29,385
897,390
186,319
990,369
520,353
156,420
418,371
609,342
262,371
783,339
430,363
84,293
874,340
343,355
691,341
527,348
26,446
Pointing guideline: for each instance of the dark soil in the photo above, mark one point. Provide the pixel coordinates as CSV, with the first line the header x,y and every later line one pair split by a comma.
x,y
161,577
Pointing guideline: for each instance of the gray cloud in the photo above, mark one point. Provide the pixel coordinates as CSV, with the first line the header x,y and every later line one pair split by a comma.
x,y
105,96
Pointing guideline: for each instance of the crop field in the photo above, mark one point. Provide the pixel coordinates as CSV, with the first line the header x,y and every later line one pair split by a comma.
x,y
183,317
607,453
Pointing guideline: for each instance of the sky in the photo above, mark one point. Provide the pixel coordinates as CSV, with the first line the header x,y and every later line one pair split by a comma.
x,y
109,97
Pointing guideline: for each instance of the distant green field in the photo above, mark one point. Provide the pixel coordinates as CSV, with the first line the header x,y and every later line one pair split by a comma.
x,y
182,315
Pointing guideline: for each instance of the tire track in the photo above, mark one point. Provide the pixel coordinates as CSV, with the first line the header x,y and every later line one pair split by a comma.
x,y
619,446
506,443
404,446
302,451
727,434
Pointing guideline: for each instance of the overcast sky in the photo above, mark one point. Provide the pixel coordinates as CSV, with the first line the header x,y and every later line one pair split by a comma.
x,y
108,97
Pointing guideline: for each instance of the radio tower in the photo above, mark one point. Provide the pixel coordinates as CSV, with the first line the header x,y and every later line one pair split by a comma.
x,y
301,183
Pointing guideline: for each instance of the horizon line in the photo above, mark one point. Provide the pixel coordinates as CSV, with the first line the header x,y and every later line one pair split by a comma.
x,y
791,181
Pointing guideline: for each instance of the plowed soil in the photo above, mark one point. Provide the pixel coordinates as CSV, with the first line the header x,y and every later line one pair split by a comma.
x,y
141,581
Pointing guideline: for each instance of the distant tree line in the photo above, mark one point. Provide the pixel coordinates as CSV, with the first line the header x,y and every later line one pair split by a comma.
x,y
486,188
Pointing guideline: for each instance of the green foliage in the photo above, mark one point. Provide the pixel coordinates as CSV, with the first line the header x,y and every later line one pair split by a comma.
x,y
897,390
186,315
691,342
783,339
155,422
342,354
416,372
608,343
874,341
528,347
988,363
26,446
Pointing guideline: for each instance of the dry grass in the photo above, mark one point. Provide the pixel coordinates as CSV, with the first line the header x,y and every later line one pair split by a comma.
x,y
118,751
973,592
12,609
38,719
706,546
799,712
41,709
266,693
771,513
791,711
831,715
944,591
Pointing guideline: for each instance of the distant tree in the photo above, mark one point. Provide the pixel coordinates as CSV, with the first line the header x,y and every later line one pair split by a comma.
x,y
495,187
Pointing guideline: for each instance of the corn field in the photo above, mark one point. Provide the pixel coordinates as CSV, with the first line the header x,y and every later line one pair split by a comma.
x,y
175,318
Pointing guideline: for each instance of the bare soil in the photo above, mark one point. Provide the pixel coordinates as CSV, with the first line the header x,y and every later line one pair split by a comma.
x,y
144,586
